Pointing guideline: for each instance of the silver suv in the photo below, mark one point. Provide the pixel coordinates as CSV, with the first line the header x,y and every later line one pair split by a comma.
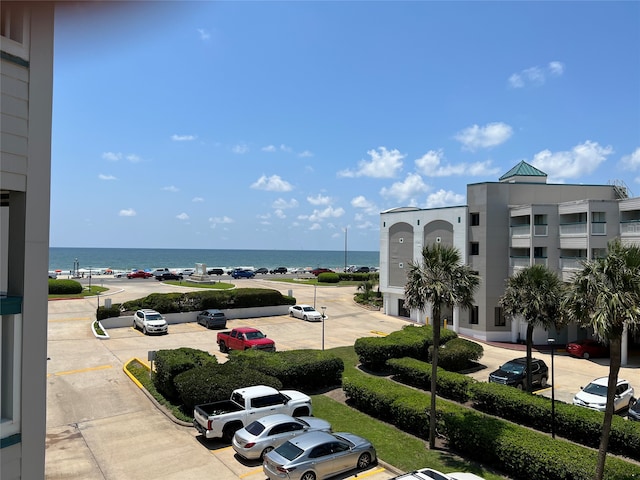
x,y
150,321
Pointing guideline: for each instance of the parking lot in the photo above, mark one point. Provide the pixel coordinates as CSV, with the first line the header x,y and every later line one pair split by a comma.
x,y
101,425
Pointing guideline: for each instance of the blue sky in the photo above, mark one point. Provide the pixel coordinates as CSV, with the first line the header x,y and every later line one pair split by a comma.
x,y
276,125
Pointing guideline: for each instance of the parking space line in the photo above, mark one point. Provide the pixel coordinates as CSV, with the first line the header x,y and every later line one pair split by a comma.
x,y
372,472
252,472
382,334
81,370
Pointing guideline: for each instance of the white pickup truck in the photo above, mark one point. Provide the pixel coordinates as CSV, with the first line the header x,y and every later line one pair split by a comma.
x,y
222,419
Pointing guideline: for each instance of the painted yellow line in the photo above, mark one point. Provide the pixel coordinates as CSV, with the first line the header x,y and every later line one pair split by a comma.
x,y
130,375
78,319
372,472
376,332
252,472
81,370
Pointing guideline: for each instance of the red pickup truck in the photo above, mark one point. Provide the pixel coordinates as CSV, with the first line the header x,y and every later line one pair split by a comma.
x,y
244,338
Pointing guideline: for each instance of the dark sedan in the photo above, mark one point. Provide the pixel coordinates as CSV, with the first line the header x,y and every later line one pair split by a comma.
x,y
168,276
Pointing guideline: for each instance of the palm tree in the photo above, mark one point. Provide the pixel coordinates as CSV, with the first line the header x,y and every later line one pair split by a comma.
x,y
535,293
366,287
440,280
605,295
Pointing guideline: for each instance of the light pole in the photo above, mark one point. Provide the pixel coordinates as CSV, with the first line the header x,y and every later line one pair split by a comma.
x,y
323,316
551,342
314,295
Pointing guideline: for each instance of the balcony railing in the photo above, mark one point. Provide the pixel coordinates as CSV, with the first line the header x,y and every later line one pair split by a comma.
x,y
520,230
540,261
519,262
573,229
630,228
572,263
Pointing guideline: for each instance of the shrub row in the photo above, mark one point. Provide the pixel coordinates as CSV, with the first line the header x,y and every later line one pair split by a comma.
x,y
104,312
202,300
307,370
458,353
517,451
410,341
417,373
359,277
170,363
575,423
64,287
328,277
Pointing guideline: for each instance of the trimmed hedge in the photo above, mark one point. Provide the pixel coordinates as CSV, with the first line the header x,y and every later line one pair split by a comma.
x,y
306,370
458,353
214,382
171,363
328,277
111,312
575,423
411,341
417,373
64,287
202,300
518,451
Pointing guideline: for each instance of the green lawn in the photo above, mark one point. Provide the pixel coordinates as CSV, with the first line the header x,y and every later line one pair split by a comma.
x,y
214,286
86,292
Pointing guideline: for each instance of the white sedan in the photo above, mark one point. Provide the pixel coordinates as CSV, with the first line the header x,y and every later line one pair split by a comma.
x,y
430,474
305,312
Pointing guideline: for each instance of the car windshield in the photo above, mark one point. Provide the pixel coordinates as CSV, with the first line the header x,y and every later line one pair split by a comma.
x,y
513,367
255,335
289,451
255,428
154,316
308,309
595,389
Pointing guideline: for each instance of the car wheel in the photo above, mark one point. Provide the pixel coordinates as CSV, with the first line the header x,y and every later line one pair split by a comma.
x,y
585,355
223,347
364,461
265,451
305,318
543,382
135,327
291,314
144,329
308,476
520,386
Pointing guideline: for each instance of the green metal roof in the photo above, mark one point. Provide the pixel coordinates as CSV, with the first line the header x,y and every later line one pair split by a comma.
x,y
523,169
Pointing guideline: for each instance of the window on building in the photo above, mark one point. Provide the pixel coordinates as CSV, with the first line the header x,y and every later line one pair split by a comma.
x,y
474,317
474,248
475,219
12,22
499,318
598,217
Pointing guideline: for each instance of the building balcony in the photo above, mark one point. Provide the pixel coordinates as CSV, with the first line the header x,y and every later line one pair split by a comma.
x,y
573,229
630,228
572,263
521,230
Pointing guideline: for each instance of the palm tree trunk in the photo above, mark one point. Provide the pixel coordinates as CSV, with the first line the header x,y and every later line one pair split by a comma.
x,y
614,368
529,355
434,376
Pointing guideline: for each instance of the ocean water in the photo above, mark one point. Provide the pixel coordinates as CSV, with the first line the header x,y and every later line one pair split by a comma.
x,y
63,258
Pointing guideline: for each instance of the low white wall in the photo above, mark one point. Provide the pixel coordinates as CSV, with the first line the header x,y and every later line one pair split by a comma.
x,y
186,317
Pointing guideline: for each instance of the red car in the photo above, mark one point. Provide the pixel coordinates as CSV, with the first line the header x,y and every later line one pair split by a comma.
x,y
587,348
319,270
139,274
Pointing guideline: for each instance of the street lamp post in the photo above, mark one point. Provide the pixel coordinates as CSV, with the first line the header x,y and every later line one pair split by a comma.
x,y
551,342
323,317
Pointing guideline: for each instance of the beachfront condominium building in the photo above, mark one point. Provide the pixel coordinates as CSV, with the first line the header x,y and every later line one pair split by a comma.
x,y
518,221
26,85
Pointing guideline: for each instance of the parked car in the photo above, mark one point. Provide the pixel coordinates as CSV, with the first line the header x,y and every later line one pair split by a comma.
x,y
262,270
212,318
53,275
587,348
594,395
318,455
243,274
305,312
430,474
150,321
514,373
215,271
634,411
263,435
139,274
319,270
168,276
187,271
362,270
244,338
282,270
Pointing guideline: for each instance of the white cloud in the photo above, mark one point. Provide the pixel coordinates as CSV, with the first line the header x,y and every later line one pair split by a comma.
x,y
315,226
383,164
102,176
430,165
279,213
182,216
367,225
171,188
632,161
491,135
443,198
285,148
319,200
218,220
282,204
535,76
112,156
127,212
240,148
197,199
408,189
272,184
305,154
269,148
582,159
204,34
329,212
183,138
367,206
133,158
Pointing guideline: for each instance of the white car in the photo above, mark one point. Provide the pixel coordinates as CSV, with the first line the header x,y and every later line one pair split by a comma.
x,y
594,395
430,474
150,321
305,312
